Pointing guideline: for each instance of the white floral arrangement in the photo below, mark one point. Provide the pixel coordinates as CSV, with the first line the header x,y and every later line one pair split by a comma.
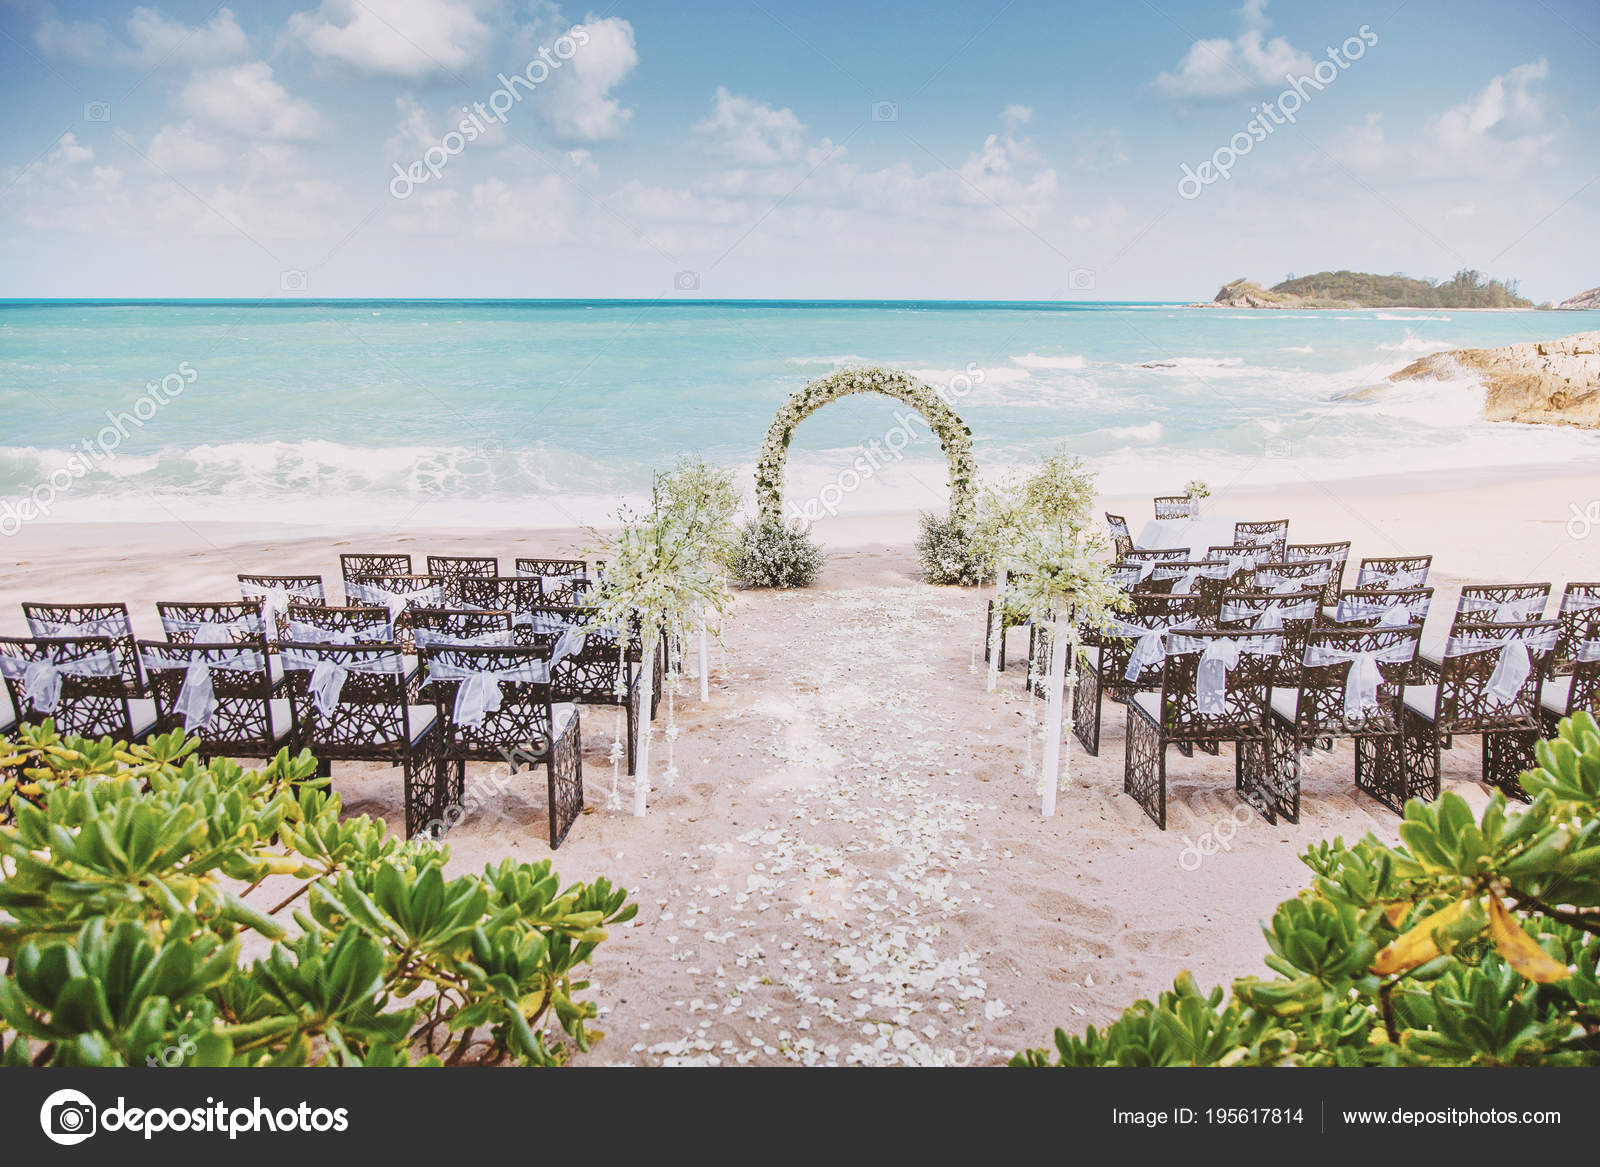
x,y
1197,490
947,426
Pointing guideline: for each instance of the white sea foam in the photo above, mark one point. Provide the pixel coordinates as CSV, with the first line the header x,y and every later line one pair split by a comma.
x,y
1033,361
1406,316
1297,348
1413,343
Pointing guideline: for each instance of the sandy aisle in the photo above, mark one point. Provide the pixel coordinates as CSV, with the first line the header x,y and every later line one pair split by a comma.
x,y
850,865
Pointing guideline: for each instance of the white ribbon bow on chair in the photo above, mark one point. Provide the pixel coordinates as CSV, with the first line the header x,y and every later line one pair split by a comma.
x,y
328,674
1211,677
1362,681
1515,664
1150,645
41,679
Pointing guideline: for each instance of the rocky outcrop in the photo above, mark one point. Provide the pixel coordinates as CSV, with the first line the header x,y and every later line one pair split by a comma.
x,y
1589,299
1545,382
1249,294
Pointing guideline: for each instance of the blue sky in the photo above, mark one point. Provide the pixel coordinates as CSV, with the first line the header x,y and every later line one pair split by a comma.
x,y
930,150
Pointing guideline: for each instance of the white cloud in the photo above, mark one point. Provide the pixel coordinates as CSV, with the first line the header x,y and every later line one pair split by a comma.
x,y
156,40
185,150
245,99
749,132
1220,67
575,101
1360,147
160,39
409,39
1504,125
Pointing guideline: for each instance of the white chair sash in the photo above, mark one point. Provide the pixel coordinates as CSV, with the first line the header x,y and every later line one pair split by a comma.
x,y
494,638
1589,651
543,622
479,694
328,673
276,597
1150,643
197,698
428,596
213,631
1270,617
1578,602
302,632
1515,663
41,679
112,626
1506,611
1393,614
1391,581
1362,681
1218,656
1277,581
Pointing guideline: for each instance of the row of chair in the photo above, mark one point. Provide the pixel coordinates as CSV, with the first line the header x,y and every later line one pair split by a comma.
x,y
417,684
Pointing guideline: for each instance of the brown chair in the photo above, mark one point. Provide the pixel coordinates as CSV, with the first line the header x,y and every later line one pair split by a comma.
x,y
70,621
223,693
1349,684
525,724
1176,506
79,683
1273,533
1214,689
1489,683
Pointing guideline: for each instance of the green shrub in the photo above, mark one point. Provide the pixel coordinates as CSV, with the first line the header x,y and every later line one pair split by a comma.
x,y
131,877
1474,942
946,552
774,555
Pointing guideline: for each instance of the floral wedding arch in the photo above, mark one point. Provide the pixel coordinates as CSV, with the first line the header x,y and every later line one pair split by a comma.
x,y
947,426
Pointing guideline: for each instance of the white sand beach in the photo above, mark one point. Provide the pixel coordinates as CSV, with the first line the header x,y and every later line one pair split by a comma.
x,y
850,866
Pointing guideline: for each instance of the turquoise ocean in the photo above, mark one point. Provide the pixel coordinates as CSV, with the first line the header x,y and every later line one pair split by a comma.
x,y
551,412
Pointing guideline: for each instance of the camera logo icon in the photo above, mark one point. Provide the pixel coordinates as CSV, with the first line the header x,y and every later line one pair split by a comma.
x,y
68,1117
1081,279
292,281
686,281
885,111
97,111
1280,449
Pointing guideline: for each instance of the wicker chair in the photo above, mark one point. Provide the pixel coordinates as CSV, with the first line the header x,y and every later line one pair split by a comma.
x,y
1338,555
1381,608
354,624
1121,539
448,569
366,712
460,627
1176,506
1393,573
1480,691
223,622
517,594
224,693
1147,560
1240,557
1481,604
525,725
1579,687
1273,533
1349,685
356,566
1207,578
1290,614
1120,660
598,674
71,621
1188,711
93,699
1580,603
277,592
561,568
400,594
1293,575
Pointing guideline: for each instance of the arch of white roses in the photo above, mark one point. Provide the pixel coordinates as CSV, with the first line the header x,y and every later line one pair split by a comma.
x,y
947,426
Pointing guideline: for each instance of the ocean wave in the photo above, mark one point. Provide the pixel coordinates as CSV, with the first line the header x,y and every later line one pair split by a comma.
x,y
836,362
1405,316
1034,361
1412,343
1297,348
